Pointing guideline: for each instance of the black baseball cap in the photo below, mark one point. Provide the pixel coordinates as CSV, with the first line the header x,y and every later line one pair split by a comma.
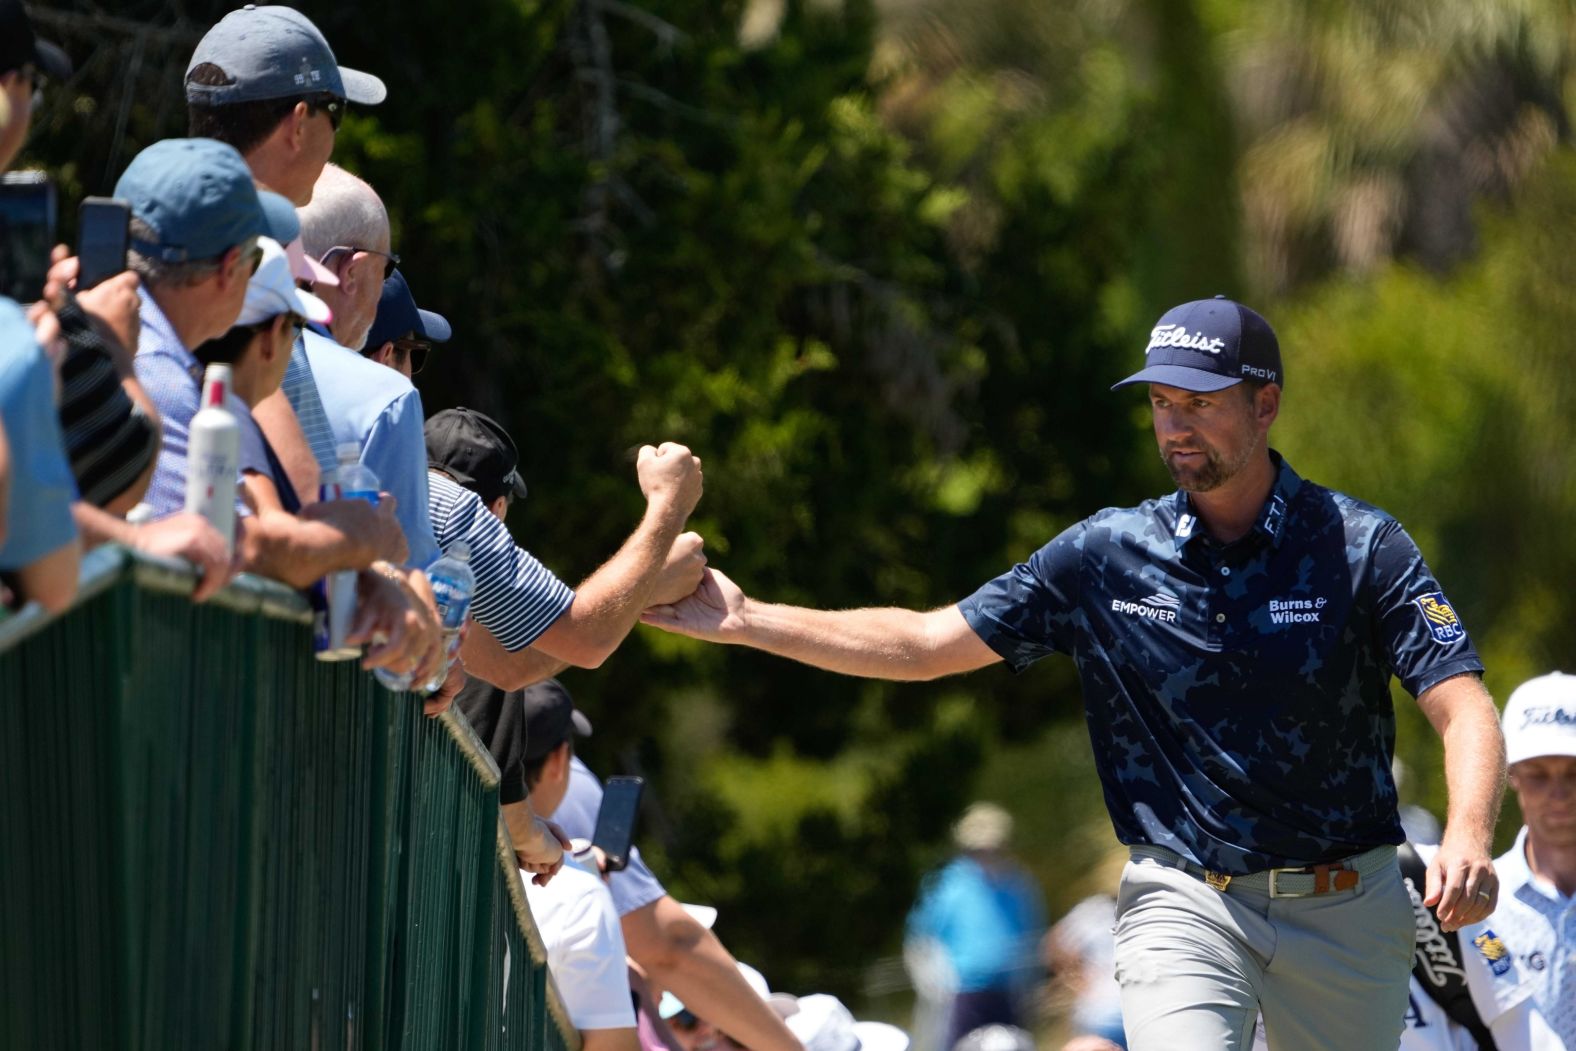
x,y
551,717
19,45
474,449
1209,345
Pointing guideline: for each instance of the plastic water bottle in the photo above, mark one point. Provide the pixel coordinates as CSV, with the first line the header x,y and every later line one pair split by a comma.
x,y
213,456
335,606
453,584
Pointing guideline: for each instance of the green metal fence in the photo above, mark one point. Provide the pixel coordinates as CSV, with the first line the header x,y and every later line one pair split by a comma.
x,y
212,840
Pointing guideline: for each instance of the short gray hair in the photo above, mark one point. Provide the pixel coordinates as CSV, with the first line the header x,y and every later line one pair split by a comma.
x,y
344,210
159,272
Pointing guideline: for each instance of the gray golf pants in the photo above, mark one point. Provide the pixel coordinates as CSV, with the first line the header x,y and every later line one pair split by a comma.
x,y
1197,965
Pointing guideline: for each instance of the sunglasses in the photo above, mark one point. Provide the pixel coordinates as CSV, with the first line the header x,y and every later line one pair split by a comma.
x,y
330,104
414,349
390,259
685,1021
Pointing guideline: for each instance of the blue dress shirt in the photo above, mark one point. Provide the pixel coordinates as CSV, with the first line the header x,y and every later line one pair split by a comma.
x,y
378,409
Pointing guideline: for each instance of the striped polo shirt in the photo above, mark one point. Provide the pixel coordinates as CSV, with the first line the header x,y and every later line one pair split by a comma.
x,y
517,598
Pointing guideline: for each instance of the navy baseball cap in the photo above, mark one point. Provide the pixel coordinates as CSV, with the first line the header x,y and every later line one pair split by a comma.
x,y
199,198
19,45
551,717
474,449
398,314
274,52
1209,345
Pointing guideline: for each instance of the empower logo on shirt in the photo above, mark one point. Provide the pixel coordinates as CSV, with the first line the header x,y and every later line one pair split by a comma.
x,y
1159,606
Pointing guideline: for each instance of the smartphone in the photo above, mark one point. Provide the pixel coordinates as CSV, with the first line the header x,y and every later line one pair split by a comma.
x,y
27,233
102,230
615,821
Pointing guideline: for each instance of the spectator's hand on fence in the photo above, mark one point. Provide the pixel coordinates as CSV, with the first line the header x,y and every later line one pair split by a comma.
x,y
670,477
395,621
374,529
193,538
713,612
542,851
681,575
441,699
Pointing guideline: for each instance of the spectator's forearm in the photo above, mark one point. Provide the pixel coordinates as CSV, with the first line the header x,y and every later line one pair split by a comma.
x,y
295,550
486,659
682,956
609,603
97,526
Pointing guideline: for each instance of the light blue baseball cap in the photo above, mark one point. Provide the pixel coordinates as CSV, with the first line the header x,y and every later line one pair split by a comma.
x,y
274,52
198,197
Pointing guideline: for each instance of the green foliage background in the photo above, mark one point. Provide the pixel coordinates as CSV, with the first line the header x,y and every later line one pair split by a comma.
x,y
878,264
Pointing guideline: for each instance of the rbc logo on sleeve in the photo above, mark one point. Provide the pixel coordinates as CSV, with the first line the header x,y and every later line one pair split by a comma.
x,y
1493,951
1442,621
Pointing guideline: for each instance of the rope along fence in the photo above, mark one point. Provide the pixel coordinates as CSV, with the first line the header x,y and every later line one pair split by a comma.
x,y
213,840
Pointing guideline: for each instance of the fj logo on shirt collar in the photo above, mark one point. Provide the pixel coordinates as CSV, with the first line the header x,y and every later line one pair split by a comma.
x,y
1185,523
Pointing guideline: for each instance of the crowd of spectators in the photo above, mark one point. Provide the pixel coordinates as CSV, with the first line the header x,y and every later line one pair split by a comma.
x,y
247,248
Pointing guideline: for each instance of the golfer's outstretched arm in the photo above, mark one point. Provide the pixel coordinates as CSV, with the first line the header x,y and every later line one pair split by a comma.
x,y
873,643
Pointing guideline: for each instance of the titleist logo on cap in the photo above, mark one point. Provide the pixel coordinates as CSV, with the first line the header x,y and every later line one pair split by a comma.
x,y
1178,336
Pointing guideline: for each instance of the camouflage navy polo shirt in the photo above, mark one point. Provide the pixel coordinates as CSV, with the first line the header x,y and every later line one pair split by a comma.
x,y
1237,695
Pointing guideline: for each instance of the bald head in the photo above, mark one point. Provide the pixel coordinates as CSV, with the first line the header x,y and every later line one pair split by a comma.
x,y
346,212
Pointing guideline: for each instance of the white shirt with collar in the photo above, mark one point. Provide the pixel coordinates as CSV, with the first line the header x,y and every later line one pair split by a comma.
x,y
1538,923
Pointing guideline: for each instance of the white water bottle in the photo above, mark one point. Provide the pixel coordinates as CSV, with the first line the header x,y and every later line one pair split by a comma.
x,y
213,457
351,480
453,584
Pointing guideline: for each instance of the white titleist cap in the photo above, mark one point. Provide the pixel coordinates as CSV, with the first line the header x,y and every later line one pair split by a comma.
x,y
1540,718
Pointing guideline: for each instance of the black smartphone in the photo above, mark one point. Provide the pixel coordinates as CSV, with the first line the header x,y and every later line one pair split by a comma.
x,y
27,234
615,821
102,229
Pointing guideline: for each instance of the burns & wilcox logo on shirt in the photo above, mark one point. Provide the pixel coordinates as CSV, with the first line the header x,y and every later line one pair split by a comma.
x,y
1296,610
1177,336
1441,619
1159,606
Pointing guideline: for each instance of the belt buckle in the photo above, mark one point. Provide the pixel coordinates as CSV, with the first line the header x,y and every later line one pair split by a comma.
x,y
1276,892
1218,880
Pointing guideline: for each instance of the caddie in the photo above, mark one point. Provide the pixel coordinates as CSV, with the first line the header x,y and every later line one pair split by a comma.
x,y
1537,909
1235,641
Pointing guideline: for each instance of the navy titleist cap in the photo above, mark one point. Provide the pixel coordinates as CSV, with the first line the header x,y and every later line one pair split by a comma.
x,y
1209,345
198,197
274,52
398,316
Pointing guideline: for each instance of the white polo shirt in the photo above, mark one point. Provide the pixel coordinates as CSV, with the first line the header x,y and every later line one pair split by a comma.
x,y
585,948
1539,925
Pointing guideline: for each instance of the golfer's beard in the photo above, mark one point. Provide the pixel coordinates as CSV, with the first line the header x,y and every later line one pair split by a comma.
x,y
1211,474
